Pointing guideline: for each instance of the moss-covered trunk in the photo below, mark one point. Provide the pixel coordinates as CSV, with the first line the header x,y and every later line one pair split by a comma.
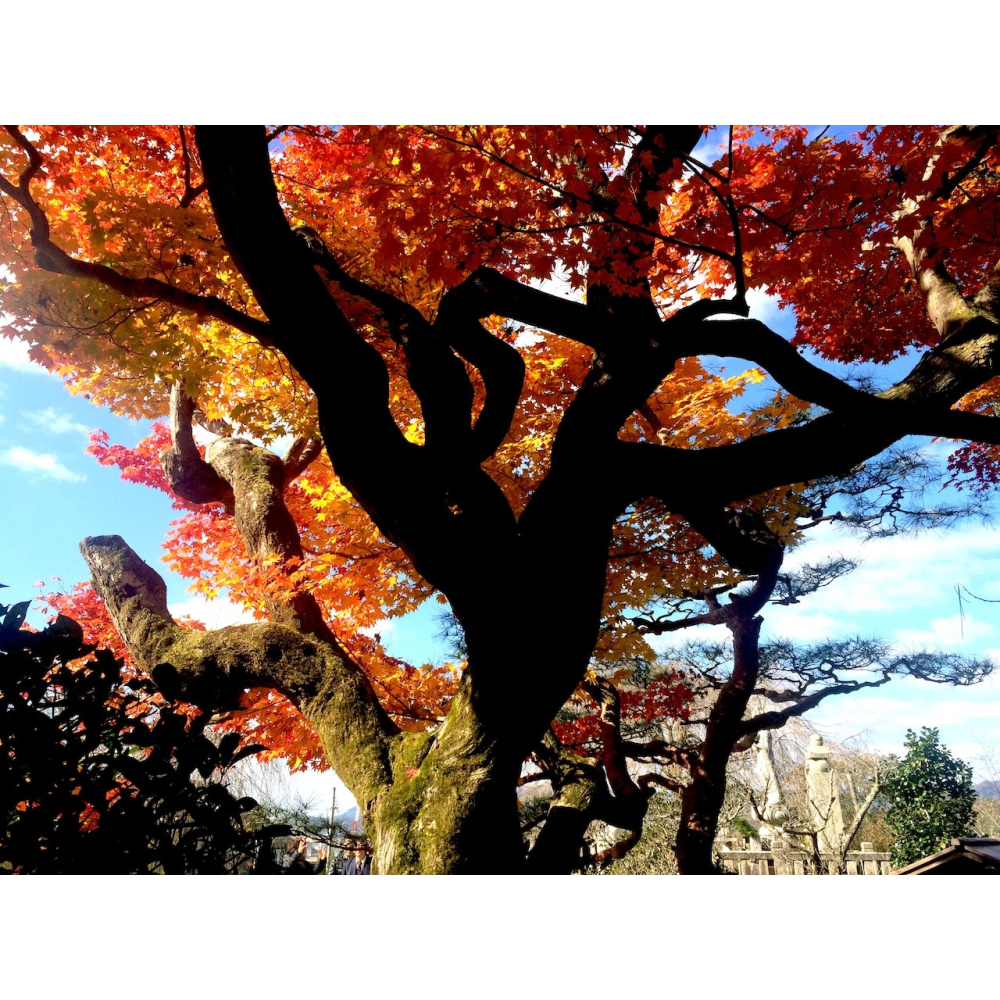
x,y
452,805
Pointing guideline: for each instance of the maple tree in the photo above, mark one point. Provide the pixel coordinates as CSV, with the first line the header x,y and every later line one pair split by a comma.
x,y
546,463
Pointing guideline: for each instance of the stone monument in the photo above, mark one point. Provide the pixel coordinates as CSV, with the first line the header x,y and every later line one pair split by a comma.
x,y
823,793
773,810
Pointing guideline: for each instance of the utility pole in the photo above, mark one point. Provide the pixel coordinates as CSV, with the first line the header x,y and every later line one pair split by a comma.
x,y
333,817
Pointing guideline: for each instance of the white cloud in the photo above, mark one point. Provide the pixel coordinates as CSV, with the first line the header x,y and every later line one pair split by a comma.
x,y
385,629
764,307
801,626
916,574
968,718
664,645
55,423
38,464
14,354
946,633
961,713
212,614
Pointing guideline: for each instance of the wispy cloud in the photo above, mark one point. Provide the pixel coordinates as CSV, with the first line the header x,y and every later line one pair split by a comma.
x,y
35,463
385,629
803,625
953,712
55,423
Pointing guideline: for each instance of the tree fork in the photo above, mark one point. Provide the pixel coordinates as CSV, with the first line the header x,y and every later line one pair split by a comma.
x,y
435,802
212,669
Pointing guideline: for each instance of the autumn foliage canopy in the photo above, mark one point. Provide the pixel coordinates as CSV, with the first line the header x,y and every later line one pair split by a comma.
x,y
489,355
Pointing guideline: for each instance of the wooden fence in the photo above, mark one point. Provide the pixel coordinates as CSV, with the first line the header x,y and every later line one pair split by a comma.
x,y
793,861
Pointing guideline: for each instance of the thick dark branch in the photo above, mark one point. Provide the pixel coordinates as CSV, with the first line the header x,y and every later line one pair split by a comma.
x,y
347,374
660,147
641,352
502,371
367,449
743,540
714,616
454,448
22,192
629,803
274,261
752,341
435,374
860,425
489,293
191,191
499,364
830,445
775,720
723,724
399,314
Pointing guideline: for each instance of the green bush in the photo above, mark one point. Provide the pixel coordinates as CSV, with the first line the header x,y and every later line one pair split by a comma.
x,y
931,799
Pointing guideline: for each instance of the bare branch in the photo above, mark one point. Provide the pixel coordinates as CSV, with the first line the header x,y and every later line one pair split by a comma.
x,y
859,815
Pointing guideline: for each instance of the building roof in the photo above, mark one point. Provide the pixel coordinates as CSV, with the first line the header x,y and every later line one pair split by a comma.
x,y
965,856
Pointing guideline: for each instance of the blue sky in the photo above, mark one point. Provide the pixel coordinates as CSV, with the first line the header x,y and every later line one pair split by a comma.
x,y
55,494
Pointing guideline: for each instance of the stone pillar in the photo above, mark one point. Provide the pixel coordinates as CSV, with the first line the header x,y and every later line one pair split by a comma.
x,y
823,793
773,805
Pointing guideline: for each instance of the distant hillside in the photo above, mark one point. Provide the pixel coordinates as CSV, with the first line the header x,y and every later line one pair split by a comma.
x,y
351,820
988,789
